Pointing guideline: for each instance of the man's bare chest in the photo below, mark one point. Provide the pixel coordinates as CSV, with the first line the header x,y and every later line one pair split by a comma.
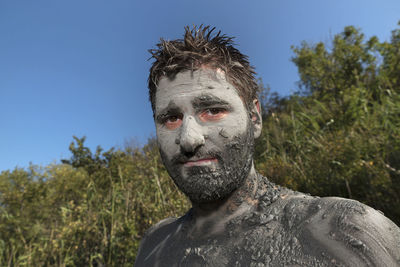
x,y
262,245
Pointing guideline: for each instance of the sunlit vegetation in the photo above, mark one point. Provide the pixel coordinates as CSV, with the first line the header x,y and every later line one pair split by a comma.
x,y
91,210
338,136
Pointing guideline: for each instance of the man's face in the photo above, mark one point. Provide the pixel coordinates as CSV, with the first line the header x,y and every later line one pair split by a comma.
x,y
204,134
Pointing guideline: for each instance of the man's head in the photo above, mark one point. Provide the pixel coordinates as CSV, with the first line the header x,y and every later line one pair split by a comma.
x,y
201,48
205,125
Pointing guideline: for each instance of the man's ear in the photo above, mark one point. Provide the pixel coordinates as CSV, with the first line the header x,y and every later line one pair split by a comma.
x,y
256,118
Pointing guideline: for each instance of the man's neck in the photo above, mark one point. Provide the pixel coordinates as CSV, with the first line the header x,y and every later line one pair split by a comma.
x,y
211,218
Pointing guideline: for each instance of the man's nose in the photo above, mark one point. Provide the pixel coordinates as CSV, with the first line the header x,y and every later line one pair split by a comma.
x,y
191,136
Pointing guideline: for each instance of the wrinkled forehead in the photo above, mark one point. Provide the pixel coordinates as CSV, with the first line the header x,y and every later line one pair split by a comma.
x,y
202,81
199,78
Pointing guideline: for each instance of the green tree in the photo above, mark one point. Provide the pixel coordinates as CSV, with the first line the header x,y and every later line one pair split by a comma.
x,y
339,136
92,210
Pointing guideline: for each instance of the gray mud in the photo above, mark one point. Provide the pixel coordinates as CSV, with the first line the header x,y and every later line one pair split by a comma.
x,y
284,228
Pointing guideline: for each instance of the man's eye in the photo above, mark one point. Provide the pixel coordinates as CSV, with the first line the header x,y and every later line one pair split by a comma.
x,y
173,122
172,119
213,114
214,111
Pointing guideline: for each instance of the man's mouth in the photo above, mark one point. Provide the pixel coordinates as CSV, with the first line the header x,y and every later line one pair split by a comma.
x,y
200,162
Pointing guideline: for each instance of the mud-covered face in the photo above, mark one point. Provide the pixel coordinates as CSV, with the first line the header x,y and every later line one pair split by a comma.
x,y
204,134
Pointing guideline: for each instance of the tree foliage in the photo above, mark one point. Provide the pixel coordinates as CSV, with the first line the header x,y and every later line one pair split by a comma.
x,y
92,210
338,136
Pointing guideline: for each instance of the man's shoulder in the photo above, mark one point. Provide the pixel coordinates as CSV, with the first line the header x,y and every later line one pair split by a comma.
x,y
345,228
156,233
160,227
155,238
309,206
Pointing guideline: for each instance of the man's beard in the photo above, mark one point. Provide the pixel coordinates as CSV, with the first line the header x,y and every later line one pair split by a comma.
x,y
203,184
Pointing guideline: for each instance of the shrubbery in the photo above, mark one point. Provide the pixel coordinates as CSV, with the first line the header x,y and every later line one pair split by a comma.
x,y
90,211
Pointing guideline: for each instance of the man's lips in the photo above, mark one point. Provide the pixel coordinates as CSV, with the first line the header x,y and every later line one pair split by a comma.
x,y
200,162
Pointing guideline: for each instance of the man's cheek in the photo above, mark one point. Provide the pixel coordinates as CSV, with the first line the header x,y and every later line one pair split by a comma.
x,y
165,143
166,155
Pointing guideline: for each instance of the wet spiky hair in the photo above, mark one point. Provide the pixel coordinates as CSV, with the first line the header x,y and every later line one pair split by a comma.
x,y
202,48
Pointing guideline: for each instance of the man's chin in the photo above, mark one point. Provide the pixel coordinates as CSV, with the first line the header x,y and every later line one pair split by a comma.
x,y
206,198
205,185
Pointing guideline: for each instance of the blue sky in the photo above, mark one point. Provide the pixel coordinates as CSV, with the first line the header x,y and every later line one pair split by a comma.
x,y
80,67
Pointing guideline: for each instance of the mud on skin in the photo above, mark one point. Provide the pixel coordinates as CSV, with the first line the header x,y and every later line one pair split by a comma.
x,y
204,184
254,222
285,228
229,141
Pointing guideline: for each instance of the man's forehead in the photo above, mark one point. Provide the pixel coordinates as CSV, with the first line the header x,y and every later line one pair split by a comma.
x,y
203,87
196,78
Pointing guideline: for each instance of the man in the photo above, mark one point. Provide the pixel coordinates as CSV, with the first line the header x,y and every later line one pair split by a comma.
x,y
207,115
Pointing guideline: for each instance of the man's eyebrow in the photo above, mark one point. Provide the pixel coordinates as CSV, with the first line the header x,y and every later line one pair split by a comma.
x,y
170,109
208,100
